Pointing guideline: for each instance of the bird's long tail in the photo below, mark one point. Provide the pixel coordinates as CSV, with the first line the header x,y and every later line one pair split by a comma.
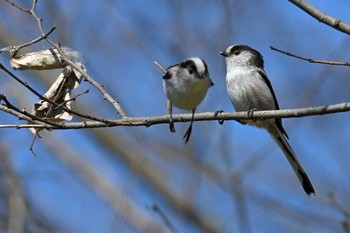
x,y
282,142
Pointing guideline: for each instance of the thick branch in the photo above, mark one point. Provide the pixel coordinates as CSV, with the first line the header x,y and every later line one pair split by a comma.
x,y
321,16
205,116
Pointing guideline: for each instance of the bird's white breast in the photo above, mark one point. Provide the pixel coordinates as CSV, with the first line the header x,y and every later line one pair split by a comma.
x,y
186,93
248,90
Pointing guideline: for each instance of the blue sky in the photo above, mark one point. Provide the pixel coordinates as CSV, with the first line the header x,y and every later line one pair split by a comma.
x,y
119,41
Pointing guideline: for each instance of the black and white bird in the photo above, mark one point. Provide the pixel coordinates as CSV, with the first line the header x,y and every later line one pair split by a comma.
x,y
250,89
186,85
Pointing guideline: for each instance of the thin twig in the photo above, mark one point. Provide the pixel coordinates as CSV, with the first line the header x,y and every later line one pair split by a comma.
x,y
40,38
72,99
88,78
31,147
20,126
14,49
338,63
17,114
322,17
32,117
160,66
18,6
25,84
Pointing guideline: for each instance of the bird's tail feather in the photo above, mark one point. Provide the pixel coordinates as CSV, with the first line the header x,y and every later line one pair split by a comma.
x,y
282,142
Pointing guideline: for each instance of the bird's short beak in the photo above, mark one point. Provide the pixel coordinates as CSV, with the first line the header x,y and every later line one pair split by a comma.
x,y
224,53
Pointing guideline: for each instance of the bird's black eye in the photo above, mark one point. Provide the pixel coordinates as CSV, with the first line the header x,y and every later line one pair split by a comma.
x,y
236,52
190,66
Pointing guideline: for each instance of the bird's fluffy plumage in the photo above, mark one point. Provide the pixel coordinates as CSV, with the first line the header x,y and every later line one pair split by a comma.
x,y
186,85
249,89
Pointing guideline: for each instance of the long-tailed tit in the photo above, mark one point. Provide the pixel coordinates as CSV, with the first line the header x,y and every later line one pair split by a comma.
x,y
186,85
250,89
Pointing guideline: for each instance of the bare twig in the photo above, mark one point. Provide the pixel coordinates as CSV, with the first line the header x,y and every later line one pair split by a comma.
x,y
205,116
71,100
322,17
25,84
31,147
25,113
88,78
40,38
160,66
20,126
14,49
16,114
338,63
18,6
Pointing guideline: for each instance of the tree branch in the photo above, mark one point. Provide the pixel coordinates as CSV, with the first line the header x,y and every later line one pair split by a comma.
x,y
205,116
20,113
322,16
338,63
42,97
87,77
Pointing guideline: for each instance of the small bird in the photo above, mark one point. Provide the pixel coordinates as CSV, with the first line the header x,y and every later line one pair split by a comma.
x,y
250,89
186,85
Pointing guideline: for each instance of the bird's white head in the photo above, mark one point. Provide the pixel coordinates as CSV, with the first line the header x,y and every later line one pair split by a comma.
x,y
242,56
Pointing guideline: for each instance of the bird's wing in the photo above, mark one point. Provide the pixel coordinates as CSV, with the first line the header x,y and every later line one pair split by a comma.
x,y
268,83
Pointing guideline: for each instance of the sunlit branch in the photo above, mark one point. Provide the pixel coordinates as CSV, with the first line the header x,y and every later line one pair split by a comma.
x,y
322,17
205,116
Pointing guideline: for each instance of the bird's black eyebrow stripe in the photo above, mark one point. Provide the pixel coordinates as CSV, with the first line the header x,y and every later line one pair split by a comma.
x,y
189,64
259,58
